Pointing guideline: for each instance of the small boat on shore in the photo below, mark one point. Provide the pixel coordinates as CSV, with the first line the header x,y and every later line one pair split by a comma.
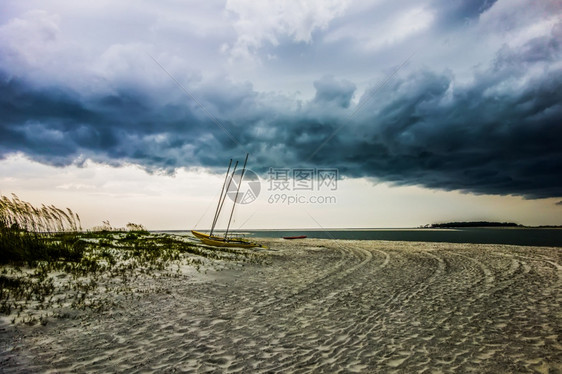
x,y
218,241
200,235
294,237
222,242
226,240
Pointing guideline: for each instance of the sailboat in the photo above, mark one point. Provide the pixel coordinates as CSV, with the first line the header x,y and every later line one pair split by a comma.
x,y
225,241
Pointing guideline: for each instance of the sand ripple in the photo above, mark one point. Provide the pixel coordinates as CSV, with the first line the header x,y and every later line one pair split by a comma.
x,y
326,306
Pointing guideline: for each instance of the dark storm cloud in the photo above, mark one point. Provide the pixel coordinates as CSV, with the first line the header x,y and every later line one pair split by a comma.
x,y
57,126
498,134
459,12
330,92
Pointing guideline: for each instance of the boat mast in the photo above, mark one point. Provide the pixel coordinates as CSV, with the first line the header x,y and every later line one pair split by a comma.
x,y
220,198
225,193
236,198
227,187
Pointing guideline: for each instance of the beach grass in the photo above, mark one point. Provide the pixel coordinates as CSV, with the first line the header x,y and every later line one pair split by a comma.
x,y
49,266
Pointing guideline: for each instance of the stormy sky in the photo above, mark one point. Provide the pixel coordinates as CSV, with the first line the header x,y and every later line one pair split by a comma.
x,y
448,95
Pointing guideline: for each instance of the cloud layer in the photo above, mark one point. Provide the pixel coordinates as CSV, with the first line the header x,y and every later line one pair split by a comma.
x,y
490,123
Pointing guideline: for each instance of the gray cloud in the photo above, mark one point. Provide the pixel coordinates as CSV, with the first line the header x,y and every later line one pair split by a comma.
x,y
422,130
486,137
497,132
330,92
452,13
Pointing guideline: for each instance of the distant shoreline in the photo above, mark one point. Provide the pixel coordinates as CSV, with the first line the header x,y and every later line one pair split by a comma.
x,y
519,235
438,226
485,224
473,224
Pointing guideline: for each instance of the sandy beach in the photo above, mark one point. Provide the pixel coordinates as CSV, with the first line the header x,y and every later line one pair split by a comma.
x,y
324,306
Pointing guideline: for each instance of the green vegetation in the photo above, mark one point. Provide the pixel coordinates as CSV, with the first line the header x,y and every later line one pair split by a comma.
x,y
27,233
49,266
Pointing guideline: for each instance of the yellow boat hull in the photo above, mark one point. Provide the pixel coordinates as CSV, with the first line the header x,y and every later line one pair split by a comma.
x,y
221,242
200,235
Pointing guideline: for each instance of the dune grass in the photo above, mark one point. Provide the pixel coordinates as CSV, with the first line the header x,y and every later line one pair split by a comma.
x,y
27,232
49,266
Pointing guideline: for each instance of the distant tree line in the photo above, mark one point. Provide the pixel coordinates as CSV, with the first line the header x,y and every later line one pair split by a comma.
x,y
472,224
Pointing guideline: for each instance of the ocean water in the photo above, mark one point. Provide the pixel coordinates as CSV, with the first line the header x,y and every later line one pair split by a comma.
x,y
515,236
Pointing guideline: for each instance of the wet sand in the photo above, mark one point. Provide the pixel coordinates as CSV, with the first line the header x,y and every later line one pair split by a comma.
x,y
322,306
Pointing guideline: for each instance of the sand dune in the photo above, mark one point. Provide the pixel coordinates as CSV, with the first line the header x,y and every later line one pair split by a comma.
x,y
324,306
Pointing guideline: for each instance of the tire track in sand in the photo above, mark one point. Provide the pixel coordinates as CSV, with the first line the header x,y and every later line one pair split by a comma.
x,y
323,306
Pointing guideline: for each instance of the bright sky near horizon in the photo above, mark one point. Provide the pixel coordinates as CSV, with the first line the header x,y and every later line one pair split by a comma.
x,y
427,110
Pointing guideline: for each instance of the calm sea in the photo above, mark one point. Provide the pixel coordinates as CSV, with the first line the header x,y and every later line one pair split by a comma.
x,y
516,236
